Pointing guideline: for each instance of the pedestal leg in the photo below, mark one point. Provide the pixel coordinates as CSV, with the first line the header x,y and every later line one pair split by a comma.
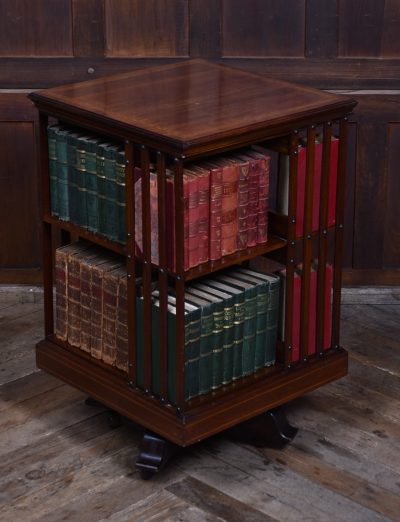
x,y
268,429
155,452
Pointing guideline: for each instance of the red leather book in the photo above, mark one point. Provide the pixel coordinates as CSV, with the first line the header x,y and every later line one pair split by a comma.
x,y
328,306
110,302
203,238
216,189
253,183
86,300
191,191
153,214
333,181
229,215
243,201
61,310
263,194
312,318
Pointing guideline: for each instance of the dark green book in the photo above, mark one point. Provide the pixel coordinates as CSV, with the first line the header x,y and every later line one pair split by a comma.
x,y
223,353
206,302
246,322
272,310
62,173
108,214
262,291
90,182
80,173
52,131
73,176
121,197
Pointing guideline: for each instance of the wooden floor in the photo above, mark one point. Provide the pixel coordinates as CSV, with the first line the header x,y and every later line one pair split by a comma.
x,y
59,460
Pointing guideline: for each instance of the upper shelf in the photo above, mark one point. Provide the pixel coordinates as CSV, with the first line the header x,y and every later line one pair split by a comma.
x,y
191,106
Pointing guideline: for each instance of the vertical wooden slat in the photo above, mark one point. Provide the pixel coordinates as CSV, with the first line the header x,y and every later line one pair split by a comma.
x,y
130,263
46,228
323,235
291,248
146,239
307,245
340,199
180,282
162,274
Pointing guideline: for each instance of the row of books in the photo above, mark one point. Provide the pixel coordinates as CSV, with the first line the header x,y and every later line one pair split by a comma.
x,y
225,199
231,320
91,302
87,181
283,185
313,310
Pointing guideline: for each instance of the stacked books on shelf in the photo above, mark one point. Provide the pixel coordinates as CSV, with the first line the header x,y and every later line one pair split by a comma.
x,y
313,310
231,319
225,198
283,186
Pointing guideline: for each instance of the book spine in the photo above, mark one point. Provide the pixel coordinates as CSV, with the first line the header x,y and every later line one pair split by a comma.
x,y
229,215
252,218
262,290
110,223
193,219
101,187
153,215
218,345
62,174
238,326
243,205
216,189
186,199
296,319
273,305
170,218
52,153
204,215
96,314
333,172
317,186
301,190
121,198
121,360
192,354
92,198
74,301
110,299
206,350
249,331
85,314
61,275
263,193
228,341
81,180
73,178
312,321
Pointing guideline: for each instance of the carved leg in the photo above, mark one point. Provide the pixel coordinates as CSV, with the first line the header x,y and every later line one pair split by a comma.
x,y
114,419
155,452
268,429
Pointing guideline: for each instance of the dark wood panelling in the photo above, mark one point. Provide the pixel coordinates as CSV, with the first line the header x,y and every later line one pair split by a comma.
x,y
205,28
88,35
39,28
146,27
321,28
391,253
19,212
369,28
263,28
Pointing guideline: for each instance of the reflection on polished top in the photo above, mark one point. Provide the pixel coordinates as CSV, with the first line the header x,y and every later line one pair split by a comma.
x,y
191,102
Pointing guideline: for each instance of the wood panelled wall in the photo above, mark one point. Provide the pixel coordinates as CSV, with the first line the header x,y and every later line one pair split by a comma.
x,y
331,44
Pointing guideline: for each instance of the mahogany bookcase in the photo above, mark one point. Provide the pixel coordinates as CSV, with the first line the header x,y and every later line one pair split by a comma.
x,y
170,115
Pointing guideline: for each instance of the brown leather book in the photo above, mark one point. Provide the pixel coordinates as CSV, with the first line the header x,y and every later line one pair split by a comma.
x,y
121,327
110,302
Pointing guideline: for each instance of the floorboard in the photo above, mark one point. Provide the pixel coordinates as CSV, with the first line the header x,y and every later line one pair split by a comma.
x,y
60,460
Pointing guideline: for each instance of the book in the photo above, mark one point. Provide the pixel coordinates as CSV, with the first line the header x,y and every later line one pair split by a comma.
x,y
232,298
110,303
80,181
268,295
121,328
243,202
216,190
312,317
62,173
263,194
191,194
121,196
328,306
153,214
296,315
90,179
229,206
73,177
52,157
203,178
252,208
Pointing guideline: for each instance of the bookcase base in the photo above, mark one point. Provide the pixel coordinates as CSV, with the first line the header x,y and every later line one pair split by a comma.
x,y
212,416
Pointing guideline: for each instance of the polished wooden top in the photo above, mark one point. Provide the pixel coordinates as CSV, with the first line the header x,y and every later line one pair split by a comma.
x,y
192,103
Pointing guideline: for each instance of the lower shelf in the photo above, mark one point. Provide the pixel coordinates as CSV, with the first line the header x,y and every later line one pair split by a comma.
x,y
206,419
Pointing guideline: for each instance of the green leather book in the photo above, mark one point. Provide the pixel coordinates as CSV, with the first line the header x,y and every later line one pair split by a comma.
x,y
205,371
62,173
121,198
90,182
52,131
272,310
245,321
80,180
73,177
108,215
223,353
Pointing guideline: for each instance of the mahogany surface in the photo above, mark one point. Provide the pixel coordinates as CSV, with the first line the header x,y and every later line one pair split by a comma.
x,y
193,103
